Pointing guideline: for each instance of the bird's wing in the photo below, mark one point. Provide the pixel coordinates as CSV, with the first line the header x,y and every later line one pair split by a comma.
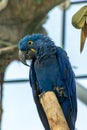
x,y
68,77
33,83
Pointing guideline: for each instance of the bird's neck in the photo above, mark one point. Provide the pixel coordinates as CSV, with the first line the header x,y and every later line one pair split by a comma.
x,y
45,52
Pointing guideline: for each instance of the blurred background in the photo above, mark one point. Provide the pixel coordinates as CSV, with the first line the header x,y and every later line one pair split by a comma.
x,y
18,108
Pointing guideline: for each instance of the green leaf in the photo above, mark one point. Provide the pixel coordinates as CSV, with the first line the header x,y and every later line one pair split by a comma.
x,y
38,1
62,46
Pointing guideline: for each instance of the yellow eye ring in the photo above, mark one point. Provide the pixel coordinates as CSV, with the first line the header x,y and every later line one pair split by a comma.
x,y
30,42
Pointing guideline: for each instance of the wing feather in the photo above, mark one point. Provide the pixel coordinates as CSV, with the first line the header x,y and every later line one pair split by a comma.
x,y
68,77
33,80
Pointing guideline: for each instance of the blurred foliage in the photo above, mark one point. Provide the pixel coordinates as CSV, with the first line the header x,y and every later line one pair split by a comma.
x,y
38,1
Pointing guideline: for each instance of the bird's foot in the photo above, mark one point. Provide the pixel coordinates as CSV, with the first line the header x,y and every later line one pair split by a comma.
x,y
60,91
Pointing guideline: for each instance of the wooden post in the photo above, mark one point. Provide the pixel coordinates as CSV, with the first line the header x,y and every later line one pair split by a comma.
x,y
53,111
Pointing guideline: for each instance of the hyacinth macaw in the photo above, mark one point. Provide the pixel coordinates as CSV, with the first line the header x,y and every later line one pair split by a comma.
x,y
50,70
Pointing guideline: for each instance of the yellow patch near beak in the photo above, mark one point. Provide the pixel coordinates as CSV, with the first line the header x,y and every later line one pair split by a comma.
x,y
32,50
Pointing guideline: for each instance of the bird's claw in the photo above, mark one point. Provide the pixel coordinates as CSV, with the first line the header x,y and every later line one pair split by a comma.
x,y
41,94
60,91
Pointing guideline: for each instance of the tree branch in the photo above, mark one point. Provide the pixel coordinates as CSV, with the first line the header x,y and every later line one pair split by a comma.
x,y
8,49
3,4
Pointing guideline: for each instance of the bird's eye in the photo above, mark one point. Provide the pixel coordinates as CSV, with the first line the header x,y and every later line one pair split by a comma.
x,y
30,42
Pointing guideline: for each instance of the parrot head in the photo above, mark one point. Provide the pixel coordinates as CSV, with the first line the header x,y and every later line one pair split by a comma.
x,y
33,45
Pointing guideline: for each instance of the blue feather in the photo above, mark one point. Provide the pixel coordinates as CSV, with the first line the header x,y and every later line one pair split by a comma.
x,y
51,71
69,79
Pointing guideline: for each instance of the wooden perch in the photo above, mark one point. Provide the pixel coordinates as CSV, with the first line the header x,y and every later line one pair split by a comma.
x,y
53,111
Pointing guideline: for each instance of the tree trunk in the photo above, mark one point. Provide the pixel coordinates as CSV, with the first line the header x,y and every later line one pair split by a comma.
x,y
18,18
1,88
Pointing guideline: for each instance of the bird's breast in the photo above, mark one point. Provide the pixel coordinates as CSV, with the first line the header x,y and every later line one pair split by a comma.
x,y
48,73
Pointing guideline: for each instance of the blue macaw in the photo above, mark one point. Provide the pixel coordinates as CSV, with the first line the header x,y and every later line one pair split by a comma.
x,y
50,70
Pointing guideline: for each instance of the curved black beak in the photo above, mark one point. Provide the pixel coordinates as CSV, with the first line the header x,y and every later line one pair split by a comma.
x,y
22,56
26,55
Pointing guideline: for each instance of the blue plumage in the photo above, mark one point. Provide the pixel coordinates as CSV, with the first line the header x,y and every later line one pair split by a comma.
x,y
51,71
